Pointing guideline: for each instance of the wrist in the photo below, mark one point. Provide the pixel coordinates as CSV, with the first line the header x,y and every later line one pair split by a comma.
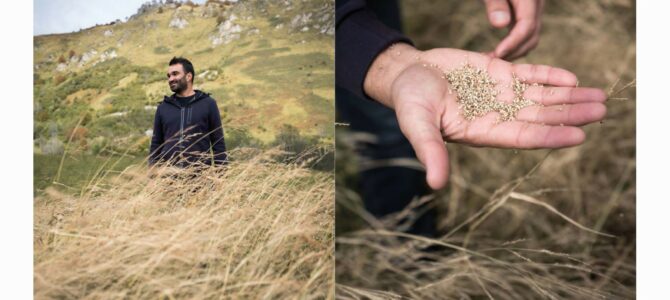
x,y
385,69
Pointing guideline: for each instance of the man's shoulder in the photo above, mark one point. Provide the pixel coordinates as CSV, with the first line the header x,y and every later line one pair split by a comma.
x,y
162,101
207,98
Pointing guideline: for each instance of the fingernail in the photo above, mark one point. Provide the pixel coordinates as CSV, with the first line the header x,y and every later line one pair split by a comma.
x,y
499,17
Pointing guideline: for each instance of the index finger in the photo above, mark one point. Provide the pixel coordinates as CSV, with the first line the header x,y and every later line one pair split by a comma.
x,y
525,15
542,74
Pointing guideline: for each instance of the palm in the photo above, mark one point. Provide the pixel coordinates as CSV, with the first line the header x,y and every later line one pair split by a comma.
x,y
429,114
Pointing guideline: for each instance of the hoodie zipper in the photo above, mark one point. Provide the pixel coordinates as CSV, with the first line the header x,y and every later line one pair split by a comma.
x,y
181,129
181,122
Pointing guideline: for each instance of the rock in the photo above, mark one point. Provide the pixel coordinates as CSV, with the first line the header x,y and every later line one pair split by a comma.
x,y
149,132
209,75
322,20
117,114
300,20
108,32
107,55
328,30
61,67
151,24
178,23
253,31
52,146
228,31
87,57
210,10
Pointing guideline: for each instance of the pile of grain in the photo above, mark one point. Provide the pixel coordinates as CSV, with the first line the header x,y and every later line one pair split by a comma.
x,y
476,93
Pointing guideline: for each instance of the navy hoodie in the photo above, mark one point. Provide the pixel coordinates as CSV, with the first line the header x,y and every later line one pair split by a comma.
x,y
185,135
360,37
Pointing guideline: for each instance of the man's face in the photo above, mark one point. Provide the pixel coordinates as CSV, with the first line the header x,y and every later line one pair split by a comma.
x,y
177,80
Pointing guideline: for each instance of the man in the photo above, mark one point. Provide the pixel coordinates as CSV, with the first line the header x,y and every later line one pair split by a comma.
x,y
384,89
187,123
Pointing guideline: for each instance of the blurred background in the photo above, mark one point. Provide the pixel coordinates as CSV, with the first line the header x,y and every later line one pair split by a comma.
x,y
515,224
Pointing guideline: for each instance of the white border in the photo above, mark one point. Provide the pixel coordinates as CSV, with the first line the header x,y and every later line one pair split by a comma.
x,y
653,114
16,121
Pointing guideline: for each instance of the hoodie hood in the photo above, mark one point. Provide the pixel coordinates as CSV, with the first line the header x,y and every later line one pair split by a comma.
x,y
199,95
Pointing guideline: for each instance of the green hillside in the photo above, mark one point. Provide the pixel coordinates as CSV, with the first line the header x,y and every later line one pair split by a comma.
x,y
269,65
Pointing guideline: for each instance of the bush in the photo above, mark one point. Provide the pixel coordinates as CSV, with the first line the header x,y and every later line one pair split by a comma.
x,y
77,133
304,149
98,144
58,79
290,140
237,137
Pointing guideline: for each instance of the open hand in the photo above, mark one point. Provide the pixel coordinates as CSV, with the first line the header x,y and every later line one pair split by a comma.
x,y
429,114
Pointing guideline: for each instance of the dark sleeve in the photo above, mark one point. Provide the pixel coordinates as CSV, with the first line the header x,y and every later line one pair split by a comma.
x,y
359,38
216,135
157,138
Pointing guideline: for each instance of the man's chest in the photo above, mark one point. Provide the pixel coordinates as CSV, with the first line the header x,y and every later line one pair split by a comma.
x,y
180,118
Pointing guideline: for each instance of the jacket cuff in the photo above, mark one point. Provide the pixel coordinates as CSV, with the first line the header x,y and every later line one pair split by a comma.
x,y
360,37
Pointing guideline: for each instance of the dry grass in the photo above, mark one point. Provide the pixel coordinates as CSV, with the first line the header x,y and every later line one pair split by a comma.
x,y
258,229
516,224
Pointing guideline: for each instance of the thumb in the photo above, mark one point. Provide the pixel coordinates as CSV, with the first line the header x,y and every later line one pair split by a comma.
x,y
427,142
498,12
433,154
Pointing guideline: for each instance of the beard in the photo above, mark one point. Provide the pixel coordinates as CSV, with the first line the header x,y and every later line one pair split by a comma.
x,y
179,85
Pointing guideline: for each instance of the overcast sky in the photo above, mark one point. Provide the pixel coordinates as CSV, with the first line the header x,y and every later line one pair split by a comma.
x,y
61,16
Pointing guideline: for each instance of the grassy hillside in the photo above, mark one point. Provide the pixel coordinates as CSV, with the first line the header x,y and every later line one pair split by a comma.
x,y
266,64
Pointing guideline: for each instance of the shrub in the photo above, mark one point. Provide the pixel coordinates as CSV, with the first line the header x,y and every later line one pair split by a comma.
x,y
98,144
240,137
58,79
77,133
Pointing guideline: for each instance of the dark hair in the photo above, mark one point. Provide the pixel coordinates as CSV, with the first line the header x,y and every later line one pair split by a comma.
x,y
188,66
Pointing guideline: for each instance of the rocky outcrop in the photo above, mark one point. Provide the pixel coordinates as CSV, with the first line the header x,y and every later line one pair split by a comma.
x,y
107,55
86,57
321,20
178,23
209,75
61,67
227,32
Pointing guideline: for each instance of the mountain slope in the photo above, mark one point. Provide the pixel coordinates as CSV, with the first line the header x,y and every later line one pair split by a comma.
x,y
268,65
